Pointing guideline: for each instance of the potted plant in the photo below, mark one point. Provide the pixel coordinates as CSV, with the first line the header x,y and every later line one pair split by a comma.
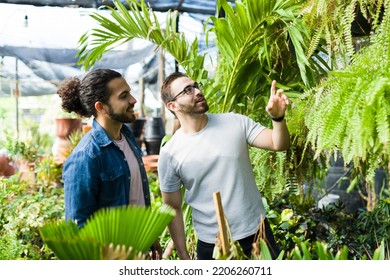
x,y
66,123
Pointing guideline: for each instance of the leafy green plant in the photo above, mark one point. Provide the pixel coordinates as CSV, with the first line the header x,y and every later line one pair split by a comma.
x,y
331,22
72,140
373,228
29,149
320,251
258,41
113,233
140,22
349,112
10,247
21,149
48,171
294,221
24,209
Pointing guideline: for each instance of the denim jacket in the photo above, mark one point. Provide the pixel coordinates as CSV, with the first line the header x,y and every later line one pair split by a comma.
x,y
96,174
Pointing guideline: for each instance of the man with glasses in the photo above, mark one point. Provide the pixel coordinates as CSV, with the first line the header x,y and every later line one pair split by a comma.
x,y
209,153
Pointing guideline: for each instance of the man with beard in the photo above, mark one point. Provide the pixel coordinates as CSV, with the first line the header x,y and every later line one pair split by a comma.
x,y
105,169
209,153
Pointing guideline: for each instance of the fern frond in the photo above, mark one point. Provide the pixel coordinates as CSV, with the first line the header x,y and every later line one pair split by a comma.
x,y
350,110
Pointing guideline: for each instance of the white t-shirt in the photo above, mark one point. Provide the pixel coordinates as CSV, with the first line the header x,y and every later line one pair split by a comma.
x,y
215,159
136,191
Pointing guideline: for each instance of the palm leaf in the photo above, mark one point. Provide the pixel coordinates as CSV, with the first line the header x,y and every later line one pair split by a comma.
x,y
122,231
139,22
379,253
253,50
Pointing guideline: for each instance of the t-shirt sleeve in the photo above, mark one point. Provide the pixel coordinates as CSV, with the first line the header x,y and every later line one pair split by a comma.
x,y
168,178
251,128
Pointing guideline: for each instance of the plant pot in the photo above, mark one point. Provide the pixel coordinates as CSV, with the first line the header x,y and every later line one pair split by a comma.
x,y
65,126
6,169
137,126
153,146
153,135
150,162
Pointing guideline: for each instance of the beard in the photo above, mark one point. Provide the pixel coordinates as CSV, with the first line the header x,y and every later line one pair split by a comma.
x,y
120,117
194,109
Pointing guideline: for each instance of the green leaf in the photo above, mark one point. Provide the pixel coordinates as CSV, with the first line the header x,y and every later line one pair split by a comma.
x,y
128,227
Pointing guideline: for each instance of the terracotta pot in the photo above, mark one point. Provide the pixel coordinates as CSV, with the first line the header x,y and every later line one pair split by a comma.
x,y
150,162
65,126
6,169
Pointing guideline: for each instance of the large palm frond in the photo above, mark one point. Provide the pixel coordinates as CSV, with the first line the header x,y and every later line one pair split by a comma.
x,y
112,233
139,21
258,41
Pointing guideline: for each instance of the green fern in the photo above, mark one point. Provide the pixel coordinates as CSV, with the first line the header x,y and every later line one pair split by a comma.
x,y
351,109
332,19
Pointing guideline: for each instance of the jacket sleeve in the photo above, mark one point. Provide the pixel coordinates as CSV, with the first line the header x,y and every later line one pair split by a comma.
x,y
81,182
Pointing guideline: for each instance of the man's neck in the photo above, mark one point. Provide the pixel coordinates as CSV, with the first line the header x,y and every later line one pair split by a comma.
x,y
113,128
192,124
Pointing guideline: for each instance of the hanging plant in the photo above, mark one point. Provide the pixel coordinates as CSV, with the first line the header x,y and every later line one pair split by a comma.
x,y
349,112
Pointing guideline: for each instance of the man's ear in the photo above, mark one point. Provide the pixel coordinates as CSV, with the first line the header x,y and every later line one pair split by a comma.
x,y
100,107
171,106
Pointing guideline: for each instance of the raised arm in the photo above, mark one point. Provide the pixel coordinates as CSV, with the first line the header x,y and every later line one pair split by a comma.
x,y
277,138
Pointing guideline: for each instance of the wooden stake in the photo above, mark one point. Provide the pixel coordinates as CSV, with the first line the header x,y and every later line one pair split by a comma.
x,y
221,223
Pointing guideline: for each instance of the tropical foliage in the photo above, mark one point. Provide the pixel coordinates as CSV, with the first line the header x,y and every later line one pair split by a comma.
x,y
301,44
113,233
139,22
349,112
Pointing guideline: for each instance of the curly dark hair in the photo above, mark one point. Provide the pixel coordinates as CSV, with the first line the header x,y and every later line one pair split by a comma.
x,y
80,96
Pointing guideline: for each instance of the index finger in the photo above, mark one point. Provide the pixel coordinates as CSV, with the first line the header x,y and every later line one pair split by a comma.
x,y
273,87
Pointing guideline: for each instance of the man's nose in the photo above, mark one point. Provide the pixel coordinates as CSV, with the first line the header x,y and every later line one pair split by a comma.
x,y
132,99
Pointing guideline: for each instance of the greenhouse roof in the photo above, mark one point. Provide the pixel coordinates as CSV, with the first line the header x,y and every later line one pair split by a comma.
x,y
189,6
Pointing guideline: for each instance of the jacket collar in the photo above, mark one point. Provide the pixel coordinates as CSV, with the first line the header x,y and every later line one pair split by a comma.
x,y
101,136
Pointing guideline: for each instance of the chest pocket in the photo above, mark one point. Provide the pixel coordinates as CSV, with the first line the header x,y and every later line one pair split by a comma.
x,y
113,189
111,175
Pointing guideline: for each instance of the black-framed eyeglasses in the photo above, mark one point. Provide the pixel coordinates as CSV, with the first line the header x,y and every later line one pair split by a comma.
x,y
189,90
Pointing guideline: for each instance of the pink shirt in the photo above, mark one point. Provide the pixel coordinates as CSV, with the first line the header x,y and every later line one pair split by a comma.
x,y
136,192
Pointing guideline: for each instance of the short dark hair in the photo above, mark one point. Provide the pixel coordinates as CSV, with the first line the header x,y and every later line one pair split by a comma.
x,y
166,94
